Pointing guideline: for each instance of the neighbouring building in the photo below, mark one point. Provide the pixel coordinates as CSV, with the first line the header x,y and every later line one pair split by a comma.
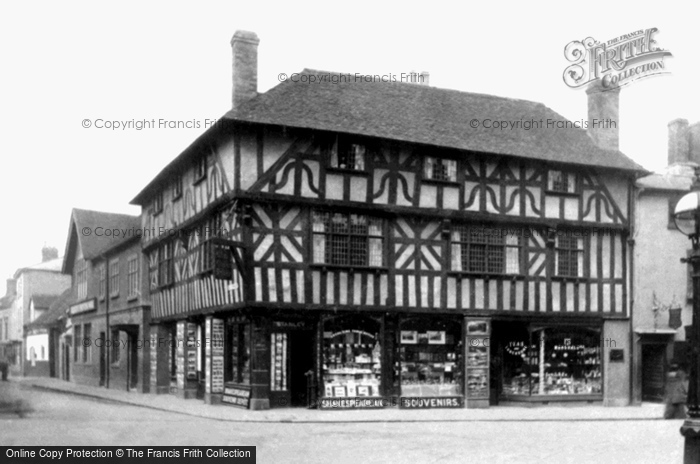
x,y
357,244
36,337
43,281
109,312
44,338
6,350
663,288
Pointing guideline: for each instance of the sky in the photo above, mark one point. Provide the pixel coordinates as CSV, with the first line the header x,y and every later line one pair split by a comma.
x,y
65,62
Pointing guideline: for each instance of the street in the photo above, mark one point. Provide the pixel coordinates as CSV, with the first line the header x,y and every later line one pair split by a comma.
x,y
60,419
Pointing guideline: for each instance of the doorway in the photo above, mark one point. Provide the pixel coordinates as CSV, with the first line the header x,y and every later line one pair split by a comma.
x,y
132,361
301,361
653,372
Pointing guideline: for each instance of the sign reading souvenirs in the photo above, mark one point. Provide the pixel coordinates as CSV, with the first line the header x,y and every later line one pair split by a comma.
x,y
615,62
236,396
430,403
351,403
83,307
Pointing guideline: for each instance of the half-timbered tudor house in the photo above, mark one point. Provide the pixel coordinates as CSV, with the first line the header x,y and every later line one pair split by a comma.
x,y
109,312
355,243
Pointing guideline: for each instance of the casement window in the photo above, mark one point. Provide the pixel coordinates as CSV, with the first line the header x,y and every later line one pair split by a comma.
x,y
158,204
102,272
569,256
177,187
346,154
81,280
165,264
561,182
347,239
484,250
440,169
77,343
132,276
87,347
200,169
114,278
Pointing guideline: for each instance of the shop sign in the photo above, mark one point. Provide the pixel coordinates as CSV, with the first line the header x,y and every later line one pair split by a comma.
x,y
84,307
236,397
351,403
290,324
430,403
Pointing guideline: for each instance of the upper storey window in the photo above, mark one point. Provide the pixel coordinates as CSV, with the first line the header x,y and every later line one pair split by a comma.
x,y
440,169
200,169
348,154
158,204
561,182
347,239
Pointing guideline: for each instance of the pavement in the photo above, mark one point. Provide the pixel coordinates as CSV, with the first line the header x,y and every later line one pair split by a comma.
x,y
197,408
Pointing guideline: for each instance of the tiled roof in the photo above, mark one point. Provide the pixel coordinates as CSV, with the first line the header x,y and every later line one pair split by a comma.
x,y
418,114
87,231
57,309
43,301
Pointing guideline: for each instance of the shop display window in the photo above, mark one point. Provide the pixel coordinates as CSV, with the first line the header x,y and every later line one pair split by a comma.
x,y
429,358
238,352
352,355
553,361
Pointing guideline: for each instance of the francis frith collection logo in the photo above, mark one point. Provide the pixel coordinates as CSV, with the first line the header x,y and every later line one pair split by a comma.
x,y
615,62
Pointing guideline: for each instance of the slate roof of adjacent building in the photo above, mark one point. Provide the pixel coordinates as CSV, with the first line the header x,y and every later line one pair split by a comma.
x,y
418,114
57,310
96,242
53,265
42,301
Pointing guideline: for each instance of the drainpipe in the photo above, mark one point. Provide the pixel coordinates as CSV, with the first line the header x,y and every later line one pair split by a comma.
x,y
633,200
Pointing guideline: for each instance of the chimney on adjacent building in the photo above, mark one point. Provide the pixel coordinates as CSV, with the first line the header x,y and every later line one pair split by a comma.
x,y
11,287
678,141
48,253
604,116
694,143
424,78
245,66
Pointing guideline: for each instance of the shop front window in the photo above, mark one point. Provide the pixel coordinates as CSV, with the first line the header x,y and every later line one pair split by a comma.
x,y
238,356
552,361
429,358
351,358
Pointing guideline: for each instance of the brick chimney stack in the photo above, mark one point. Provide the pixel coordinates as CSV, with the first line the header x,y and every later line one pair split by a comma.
x,y
604,116
694,142
11,287
244,46
48,254
678,141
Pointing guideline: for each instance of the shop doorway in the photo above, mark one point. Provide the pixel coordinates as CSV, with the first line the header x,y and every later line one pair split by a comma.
x,y
132,361
301,361
653,372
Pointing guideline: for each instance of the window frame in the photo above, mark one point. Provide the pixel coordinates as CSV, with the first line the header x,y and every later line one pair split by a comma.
x,y
464,240
331,236
158,204
339,149
550,182
116,346
114,278
132,276
445,164
177,187
201,168
87,347
567,250
102,273
81,276
77,343
165,264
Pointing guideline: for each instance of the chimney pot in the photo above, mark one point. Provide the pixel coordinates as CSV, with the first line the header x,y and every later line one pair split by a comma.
x,y
604,116
244,46
48,254
425,78
678,141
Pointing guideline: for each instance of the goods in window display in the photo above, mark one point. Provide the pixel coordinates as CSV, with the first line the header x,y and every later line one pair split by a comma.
x,y
351,363
430,365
